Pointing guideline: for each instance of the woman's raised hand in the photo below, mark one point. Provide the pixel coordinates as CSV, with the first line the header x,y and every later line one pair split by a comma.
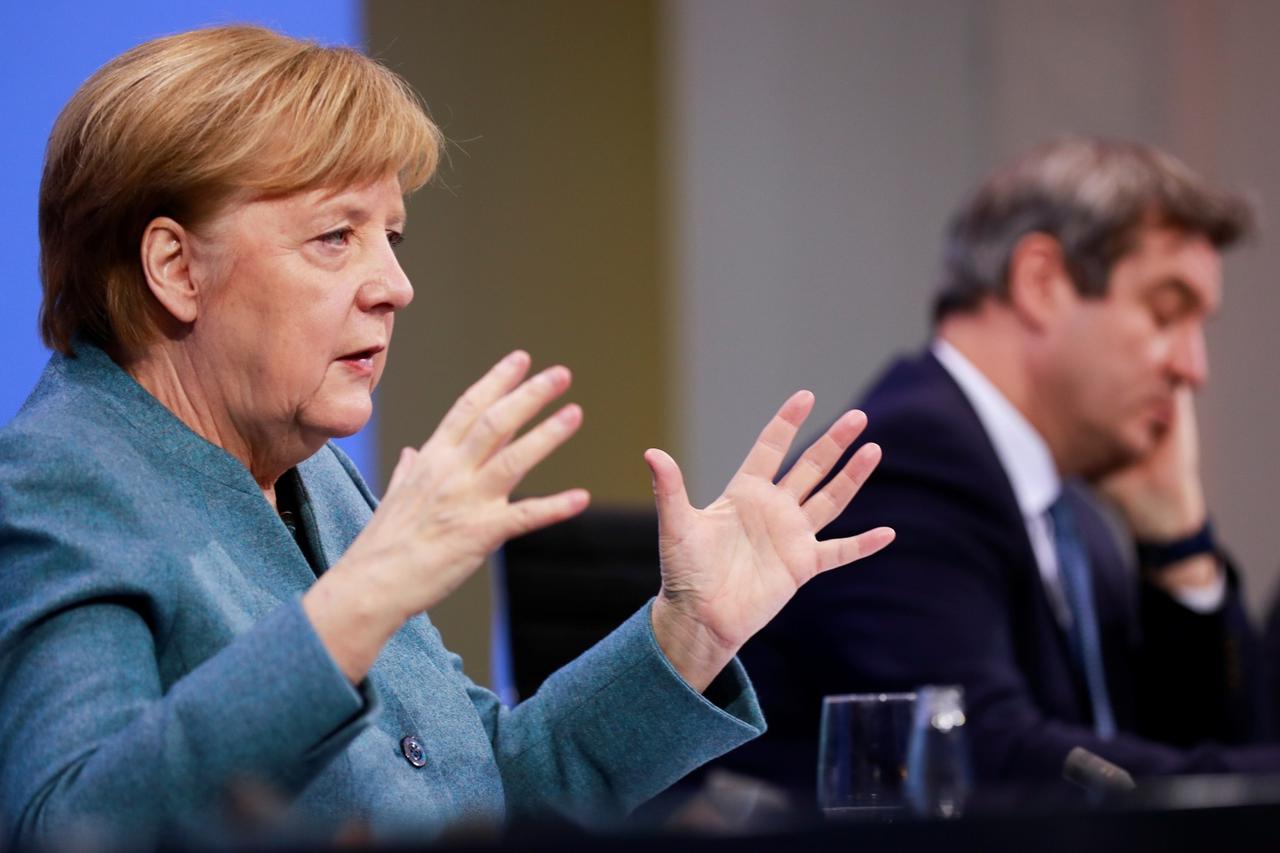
x,y
729,568
447,507
449,501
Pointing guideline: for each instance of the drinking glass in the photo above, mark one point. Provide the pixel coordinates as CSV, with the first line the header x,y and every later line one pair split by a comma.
x,y
862,755
939,775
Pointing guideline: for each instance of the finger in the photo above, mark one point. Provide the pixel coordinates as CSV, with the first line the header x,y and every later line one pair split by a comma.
x,y
500,421
814,464
407,455
771,447
1185,425
515,460
840,552
829,501
500,379
533,514
668,488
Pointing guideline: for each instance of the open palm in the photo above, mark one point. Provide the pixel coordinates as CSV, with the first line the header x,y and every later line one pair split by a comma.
x,y
729,568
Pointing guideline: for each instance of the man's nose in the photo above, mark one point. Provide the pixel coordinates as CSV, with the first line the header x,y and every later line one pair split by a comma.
x,y
1190,357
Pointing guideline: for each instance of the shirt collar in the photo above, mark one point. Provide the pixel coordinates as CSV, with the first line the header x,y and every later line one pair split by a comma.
x,y
1022,451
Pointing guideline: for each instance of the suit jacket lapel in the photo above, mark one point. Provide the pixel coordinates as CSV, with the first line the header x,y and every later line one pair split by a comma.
x,y
988,468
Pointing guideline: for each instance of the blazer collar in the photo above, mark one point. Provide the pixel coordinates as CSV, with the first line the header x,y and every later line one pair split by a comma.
x,y
93,369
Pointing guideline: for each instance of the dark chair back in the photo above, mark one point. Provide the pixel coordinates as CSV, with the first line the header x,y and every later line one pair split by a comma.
x,y
560,590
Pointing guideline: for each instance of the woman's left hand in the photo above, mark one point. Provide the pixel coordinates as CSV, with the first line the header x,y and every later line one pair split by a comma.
x,y
729,568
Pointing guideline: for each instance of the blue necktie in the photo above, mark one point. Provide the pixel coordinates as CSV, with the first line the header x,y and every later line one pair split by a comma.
x,y
1077,584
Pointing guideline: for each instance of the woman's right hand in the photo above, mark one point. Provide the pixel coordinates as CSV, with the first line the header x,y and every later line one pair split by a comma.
x,y
447,507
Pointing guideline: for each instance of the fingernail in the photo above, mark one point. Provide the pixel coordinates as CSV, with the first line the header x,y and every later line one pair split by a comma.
x,y
513,358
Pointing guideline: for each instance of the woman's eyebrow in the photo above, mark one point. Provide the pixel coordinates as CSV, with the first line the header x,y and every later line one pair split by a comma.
x,y
355,214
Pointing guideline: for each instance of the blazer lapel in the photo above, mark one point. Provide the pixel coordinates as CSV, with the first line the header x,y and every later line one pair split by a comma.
x,y
333,506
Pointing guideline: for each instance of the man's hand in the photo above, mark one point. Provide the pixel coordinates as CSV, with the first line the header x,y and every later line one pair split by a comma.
x,y
1162,499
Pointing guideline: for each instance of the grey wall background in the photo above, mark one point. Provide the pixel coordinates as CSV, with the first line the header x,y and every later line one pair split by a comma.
x,y
816,149
702,205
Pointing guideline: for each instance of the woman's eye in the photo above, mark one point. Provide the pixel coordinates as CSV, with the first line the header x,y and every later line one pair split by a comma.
x,y
395,238
337,237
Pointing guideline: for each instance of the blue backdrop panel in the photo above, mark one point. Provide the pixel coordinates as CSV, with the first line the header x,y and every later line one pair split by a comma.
x,y
49,48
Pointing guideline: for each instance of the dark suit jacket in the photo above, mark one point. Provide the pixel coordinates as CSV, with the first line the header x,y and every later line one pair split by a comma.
x,y
958,599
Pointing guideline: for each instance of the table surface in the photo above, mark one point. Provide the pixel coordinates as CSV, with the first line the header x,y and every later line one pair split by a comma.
x,y
1220,814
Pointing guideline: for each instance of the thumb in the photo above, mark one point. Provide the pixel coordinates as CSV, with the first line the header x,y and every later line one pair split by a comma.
x,y
407,456
668,486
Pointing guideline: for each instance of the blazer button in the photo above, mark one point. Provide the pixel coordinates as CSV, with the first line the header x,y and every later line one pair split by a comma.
x,y
413,751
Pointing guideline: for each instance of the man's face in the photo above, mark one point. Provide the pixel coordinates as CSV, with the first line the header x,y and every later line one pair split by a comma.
x,y
1117,360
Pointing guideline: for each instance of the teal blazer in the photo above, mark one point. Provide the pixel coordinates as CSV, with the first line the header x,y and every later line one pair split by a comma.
x,y
155,659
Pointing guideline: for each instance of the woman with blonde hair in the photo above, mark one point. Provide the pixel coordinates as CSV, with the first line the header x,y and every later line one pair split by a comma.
x,y
199,595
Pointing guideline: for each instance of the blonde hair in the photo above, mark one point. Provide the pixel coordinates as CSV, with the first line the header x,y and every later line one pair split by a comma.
x,y
180,125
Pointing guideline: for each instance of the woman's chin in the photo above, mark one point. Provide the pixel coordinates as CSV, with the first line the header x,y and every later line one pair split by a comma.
x,y
340,421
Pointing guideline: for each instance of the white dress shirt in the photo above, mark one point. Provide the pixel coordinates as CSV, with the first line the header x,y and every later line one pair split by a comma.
x,y
1028,464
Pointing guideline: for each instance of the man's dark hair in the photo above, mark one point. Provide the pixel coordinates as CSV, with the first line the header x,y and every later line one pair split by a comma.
x,y
1092,196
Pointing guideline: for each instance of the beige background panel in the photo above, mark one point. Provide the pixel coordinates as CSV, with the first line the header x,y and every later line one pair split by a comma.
x,y
542,232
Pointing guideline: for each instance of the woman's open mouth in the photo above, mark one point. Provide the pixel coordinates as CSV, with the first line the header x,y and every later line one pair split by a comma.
x,y
361,360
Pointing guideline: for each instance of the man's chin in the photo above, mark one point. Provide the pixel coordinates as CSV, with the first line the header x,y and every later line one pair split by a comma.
x,y
1116,457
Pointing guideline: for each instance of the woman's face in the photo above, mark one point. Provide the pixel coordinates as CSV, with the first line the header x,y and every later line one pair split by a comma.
x,y
297,299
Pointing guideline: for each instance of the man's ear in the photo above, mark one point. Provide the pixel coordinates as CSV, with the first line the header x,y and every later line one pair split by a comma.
x,y
1039,283
166,263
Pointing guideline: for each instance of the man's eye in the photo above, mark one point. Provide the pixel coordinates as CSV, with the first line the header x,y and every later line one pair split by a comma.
x,y
395,238
1169,306
337,237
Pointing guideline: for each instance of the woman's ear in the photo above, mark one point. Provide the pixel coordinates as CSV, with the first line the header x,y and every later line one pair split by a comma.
x,y
1039,284
166,263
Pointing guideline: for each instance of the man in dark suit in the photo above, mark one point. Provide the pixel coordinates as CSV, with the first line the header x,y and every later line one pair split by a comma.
x,y
1068,340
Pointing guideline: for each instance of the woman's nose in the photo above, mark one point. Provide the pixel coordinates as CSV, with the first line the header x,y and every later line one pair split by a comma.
x,y
387,285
